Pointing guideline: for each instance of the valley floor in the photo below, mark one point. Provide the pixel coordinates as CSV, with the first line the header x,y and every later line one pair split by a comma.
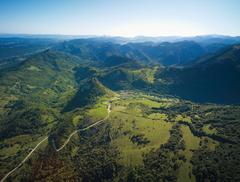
x,y
135,137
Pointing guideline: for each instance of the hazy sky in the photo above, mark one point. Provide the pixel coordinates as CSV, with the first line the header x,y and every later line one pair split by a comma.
x,y
120,17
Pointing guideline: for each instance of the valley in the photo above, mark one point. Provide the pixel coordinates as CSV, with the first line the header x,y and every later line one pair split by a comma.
x,y
119,91
134,129
87,110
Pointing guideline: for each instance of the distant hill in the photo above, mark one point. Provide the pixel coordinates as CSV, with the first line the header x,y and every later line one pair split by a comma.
x,y
118,61
216,79
14,46
171,53
165,53
98,50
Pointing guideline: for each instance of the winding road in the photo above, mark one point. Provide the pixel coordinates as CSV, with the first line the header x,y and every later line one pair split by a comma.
x,y
59,149
86,128
24,160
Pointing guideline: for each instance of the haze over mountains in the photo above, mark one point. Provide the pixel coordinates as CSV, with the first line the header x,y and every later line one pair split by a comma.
x,y
205,65
166,50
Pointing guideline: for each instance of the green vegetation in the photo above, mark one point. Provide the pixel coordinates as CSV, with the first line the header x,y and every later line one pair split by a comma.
x,y
144,130
213,80
191,144
209,129
87,94
127,124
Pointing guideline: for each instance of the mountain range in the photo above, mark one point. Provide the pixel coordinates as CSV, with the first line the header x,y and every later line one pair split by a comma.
x,y
187,69
115,109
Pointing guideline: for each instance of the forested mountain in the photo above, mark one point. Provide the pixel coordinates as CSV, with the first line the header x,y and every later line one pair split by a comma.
x,y
176,53
88,93
12,47
216,79
182,51
38,86
97,110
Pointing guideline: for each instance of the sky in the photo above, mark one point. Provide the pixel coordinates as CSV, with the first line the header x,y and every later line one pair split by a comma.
x,y
121,17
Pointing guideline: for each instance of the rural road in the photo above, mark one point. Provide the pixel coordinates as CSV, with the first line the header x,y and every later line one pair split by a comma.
x,y
86,128
65,143
24,160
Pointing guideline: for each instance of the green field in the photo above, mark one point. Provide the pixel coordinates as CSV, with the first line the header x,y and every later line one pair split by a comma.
x,y
136,130
128,119
192,143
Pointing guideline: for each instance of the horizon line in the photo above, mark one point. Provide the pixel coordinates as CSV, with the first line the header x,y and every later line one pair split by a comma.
x,y
109,35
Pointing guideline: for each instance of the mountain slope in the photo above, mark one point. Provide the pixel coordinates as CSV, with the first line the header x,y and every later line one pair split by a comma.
x,y
214,80
90,90
32,94
165,53
40,73
14,47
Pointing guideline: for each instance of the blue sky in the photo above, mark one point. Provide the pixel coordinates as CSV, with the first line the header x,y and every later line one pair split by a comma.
x,y
120,17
